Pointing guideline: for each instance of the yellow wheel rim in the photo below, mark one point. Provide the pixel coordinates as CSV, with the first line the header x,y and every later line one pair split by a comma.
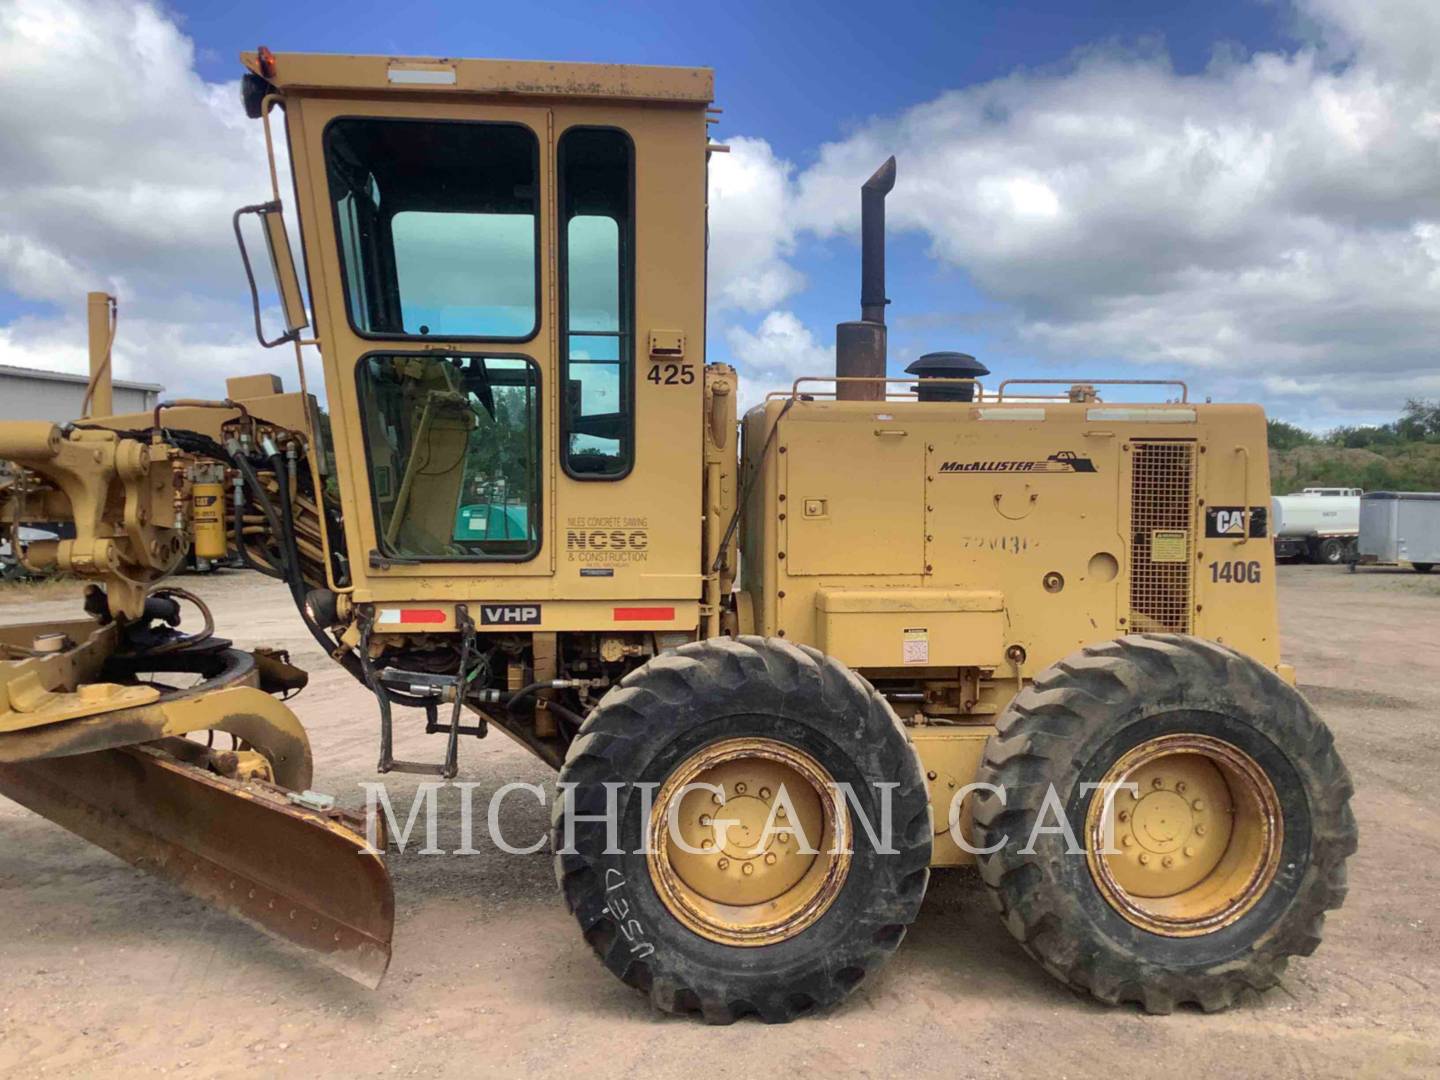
x,y
1194,844
749,841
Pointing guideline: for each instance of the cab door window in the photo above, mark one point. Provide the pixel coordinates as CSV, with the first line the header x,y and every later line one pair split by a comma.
x,y
597,275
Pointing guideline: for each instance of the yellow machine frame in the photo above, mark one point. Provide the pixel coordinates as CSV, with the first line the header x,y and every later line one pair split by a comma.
x,y
949,542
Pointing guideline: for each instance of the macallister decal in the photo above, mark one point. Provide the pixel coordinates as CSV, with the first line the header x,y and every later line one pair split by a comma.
x,y
1062,461
607,541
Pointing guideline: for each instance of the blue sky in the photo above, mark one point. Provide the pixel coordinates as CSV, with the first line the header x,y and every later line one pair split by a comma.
x,y
795,74
1245,194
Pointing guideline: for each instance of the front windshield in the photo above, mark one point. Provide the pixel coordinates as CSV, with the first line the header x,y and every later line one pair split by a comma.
x,y
436,222
453,446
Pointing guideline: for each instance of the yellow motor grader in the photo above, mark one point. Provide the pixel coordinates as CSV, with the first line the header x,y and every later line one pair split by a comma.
x,y
784,667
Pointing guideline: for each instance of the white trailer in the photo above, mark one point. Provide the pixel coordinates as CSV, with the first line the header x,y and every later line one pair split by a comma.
x,y
1401,527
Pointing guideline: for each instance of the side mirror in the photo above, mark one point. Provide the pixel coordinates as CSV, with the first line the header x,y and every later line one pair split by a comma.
x,y
282,266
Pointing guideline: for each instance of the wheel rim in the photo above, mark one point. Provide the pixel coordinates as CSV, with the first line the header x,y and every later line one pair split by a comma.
x,y
1195,846
744,883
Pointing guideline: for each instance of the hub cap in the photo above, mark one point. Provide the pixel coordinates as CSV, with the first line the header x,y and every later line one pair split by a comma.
x,y
749,841
1193,844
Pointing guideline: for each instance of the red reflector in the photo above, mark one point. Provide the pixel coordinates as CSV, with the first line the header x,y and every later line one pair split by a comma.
x,y
422,615
644,614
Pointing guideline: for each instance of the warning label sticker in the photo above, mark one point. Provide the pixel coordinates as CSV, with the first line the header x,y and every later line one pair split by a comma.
x,y
915,646
1169,545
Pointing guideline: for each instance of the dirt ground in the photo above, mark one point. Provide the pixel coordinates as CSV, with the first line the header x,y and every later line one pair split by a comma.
x,y
106,971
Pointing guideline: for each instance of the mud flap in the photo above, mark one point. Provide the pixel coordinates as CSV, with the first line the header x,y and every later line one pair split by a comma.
x,y
303,876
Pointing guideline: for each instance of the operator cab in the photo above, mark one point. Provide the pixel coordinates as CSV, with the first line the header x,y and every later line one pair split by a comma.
x,y
499,255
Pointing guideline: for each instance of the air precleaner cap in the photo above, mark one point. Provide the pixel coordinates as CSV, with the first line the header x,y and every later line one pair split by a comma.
x,y
946,365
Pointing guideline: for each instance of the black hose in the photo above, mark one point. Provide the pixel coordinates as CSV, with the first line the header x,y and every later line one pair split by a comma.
x,y
238,516
252,479
744,497
571,717
511,700
294,575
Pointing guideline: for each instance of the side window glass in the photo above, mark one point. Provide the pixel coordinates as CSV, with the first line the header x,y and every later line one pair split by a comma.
x,y
454,452
597,271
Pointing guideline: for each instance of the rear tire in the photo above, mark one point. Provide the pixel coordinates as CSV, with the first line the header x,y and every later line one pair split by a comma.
x,y
690,705
1086,716
1423,567
1331,551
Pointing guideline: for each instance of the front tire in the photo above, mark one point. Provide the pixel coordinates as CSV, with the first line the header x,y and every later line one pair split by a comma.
x,y
1220,864
761,928
1423,567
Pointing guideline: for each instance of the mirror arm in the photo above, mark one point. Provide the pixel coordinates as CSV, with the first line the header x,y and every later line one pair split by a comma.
x,y
259,209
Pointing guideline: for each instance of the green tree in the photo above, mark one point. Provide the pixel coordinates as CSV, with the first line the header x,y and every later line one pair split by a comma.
x,y
1420,421
1283,436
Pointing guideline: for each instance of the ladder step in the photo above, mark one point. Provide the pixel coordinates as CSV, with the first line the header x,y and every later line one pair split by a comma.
x,y
424,768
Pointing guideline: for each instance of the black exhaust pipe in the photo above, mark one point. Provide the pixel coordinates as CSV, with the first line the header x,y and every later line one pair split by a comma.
x,y
872,242
860,346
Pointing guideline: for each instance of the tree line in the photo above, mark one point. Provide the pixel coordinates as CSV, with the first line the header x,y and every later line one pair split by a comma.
x,y
1402,455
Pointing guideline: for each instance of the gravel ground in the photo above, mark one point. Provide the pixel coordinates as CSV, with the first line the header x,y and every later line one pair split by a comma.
x,y
107,971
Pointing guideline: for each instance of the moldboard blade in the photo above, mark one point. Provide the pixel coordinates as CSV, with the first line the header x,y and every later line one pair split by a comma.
x,y
302,876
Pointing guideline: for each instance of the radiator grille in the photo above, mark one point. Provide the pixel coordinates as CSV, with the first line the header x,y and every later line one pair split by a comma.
x,y
1162,545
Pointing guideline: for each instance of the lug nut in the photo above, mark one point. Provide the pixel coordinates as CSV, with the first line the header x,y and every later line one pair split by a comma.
x,y
1157,783
1128,840
1180,787
1199,830
747,868
739,789
1144,859
718,799
707,844
723,864
1198,804
784,838
770,858
704,819
1168,861
764,793
1189,853
1124,815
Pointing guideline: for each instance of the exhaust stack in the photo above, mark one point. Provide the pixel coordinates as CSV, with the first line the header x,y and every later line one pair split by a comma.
x,y
860,346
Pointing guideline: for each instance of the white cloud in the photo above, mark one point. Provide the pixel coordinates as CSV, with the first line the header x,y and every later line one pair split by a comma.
x,y
775,354
120,172
1275,215
750,229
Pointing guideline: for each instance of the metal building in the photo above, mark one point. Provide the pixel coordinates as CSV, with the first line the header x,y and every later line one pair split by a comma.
x,y
31,394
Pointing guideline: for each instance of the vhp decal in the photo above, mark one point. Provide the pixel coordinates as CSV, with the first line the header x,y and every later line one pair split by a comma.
x,y
509,614
1062,461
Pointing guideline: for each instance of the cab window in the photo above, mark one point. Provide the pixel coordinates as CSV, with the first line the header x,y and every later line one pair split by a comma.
x,y
437,226
597,274
453,445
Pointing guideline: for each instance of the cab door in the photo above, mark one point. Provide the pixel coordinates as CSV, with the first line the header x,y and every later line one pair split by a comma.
x,y
429,253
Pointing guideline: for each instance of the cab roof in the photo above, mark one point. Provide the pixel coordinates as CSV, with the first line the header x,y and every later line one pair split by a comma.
x,y
523,78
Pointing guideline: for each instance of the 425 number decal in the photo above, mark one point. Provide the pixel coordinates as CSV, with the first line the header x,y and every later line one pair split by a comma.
x,y
672,374
1236,572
